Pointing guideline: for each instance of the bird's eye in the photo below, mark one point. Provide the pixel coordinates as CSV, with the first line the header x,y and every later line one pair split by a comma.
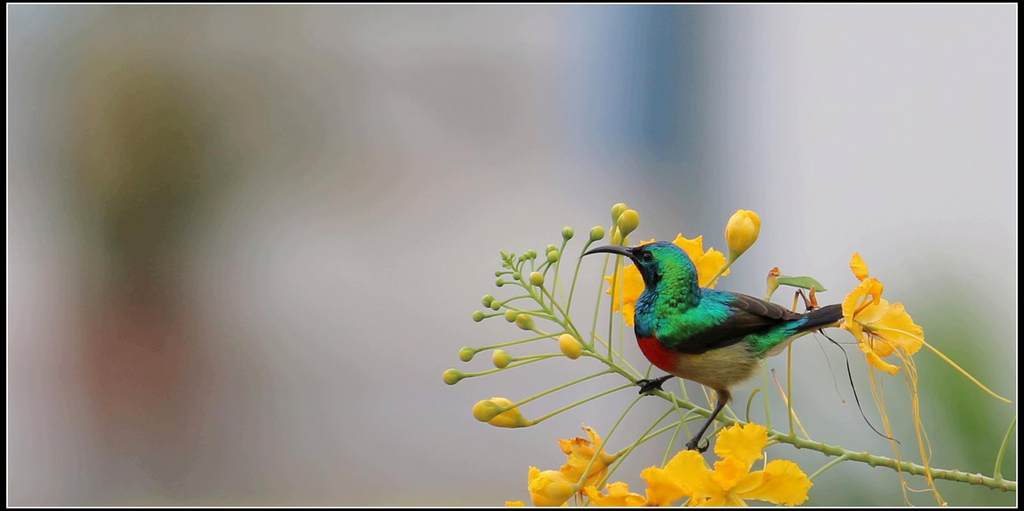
x,y
646,256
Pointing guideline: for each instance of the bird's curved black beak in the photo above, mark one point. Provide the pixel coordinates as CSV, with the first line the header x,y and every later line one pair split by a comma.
x,y
612,249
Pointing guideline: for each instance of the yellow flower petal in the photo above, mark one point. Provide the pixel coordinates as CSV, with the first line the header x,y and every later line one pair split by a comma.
x,y
549,488
742,443
683,476
858,266
579,452
707,263
782,482
629,285
874,359
618,496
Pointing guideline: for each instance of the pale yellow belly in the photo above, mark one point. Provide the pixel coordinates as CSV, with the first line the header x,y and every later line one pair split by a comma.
x,y
719,369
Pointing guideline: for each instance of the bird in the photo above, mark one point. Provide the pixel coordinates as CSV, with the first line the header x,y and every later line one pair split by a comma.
x,y
713,337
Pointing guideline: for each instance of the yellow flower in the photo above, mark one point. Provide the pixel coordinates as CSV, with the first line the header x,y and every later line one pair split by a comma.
x,y
515,503
579,452
731,483
549,488
880,327
490,411
618,496
629,285
741,232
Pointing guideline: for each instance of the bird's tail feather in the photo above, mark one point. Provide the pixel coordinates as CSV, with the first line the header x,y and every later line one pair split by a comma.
x,y
819,318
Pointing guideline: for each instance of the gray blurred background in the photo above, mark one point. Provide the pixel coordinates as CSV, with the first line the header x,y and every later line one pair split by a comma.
x,y
244,242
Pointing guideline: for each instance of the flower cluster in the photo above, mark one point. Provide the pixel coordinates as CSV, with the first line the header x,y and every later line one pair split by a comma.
x,y
541,307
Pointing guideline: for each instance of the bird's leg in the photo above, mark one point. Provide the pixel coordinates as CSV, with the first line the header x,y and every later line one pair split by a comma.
x,y
809,303
723,398
648,386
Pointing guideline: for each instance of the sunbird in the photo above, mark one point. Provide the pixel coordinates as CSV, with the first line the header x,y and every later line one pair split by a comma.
x,y
712,337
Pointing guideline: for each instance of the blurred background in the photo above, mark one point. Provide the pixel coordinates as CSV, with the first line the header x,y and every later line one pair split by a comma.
x,y
244,242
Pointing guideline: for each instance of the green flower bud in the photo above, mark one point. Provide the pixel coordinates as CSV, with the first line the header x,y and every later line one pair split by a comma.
x,y
510,316
530,254
486,300
451,376
478,316
485,410
516,276
537,279
567,233
524,321
488,411
596,233
616,236
549,248
628,221
553,256
617,210
501,359
466,353
496,305
499,282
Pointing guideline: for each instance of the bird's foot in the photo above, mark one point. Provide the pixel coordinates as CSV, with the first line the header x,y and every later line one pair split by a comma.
x,y
694,445
648,386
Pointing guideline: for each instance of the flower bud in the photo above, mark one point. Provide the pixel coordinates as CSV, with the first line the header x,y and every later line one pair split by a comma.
x,y
490,411
530,254
567,233
478,316
773,281
741,232
569,346
516,275
501,359
617,210
628,221
466,353
550,488
524,321
553,256
549,248
451,376
510,315
496,305
537,279
499,282
596,233
486,300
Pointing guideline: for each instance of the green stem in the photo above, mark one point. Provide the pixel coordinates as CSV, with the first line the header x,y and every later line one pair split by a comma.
x,y
997,473
580,402
860,457
621,456
556,389
576,275
515,342
597,306
750,401
827,466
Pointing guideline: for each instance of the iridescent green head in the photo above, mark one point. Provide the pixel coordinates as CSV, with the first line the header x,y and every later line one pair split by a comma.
x,y
661,263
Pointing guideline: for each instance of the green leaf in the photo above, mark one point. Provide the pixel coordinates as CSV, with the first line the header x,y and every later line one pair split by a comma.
x,y
801,282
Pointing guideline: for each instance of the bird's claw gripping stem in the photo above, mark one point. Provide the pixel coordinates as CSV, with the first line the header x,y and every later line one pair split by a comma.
x,y
648,386
694,445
